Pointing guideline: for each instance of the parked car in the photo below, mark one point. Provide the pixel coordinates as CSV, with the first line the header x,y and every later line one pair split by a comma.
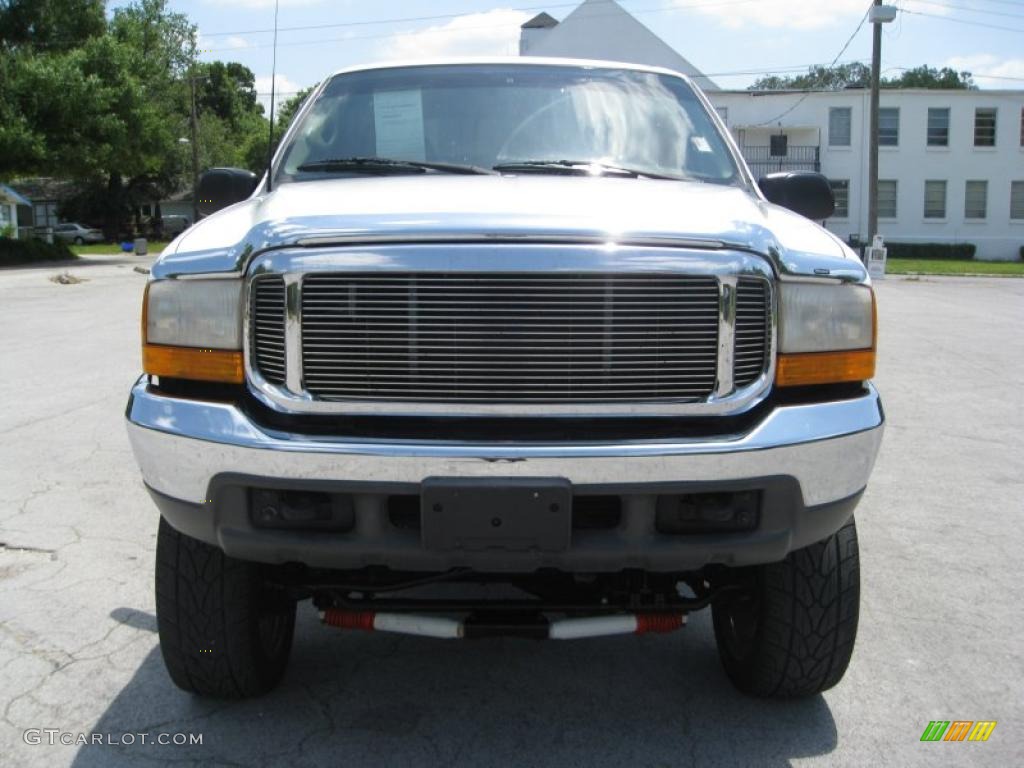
x,y
76,233
508,347
174,225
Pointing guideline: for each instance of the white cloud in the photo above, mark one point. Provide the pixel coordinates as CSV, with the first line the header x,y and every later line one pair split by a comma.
x,y
492,33
982,64
286,88
234,41
777,14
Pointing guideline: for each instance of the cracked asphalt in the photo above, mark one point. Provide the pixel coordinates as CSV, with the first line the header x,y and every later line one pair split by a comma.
x,y
941,634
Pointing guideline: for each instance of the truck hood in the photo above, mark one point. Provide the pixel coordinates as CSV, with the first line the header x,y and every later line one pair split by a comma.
x,y
556,208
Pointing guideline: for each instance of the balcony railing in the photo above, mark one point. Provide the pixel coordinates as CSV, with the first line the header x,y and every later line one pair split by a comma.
x,y
796,158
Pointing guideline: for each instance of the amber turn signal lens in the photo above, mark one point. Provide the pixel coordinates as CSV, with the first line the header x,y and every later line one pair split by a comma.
x,y
190,363
825,367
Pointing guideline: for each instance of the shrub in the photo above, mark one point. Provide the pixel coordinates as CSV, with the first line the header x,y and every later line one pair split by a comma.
x,y
931,250
28,251
1022,253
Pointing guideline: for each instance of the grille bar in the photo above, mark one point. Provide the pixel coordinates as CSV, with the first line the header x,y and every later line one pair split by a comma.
x,y
753,329
268,349
507,338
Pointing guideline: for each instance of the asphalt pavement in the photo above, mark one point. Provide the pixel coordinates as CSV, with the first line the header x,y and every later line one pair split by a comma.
x,y
941,634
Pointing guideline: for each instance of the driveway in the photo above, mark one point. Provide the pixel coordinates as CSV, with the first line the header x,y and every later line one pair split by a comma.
x,y
941,634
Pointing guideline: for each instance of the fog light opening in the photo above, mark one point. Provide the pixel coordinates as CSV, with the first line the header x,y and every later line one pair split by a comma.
x,y
708,512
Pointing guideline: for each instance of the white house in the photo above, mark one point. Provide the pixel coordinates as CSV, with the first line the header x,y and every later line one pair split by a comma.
x,y
951,163
9,203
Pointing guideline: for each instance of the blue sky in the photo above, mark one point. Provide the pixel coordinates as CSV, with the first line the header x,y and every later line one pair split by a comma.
x,y
724,38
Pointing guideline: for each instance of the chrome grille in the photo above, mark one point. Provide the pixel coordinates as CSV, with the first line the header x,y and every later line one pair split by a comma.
x,y
509,338
753,331
268,307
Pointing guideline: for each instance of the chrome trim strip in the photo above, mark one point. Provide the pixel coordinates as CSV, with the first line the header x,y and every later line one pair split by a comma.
x,y
369,238
726,334
181,444
495,258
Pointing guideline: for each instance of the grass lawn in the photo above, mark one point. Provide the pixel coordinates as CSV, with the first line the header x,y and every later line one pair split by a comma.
x,y
954,267
153,247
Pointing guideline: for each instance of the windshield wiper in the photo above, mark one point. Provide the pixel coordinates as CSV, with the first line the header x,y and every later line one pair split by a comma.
x,y
387,165
583,167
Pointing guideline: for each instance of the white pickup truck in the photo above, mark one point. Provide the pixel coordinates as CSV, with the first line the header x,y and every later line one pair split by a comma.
x,y
508,347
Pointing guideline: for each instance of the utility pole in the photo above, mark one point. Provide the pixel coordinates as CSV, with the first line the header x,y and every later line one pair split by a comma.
x,y
194,131
878,15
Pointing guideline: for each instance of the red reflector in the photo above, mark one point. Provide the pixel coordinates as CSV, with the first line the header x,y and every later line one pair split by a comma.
x,y
658,622
336,617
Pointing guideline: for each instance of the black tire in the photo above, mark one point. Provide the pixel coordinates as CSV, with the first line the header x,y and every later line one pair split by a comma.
x,y
79,241
222,632
791,632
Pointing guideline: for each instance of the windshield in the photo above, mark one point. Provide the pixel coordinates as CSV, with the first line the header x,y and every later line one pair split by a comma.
x,y
517,117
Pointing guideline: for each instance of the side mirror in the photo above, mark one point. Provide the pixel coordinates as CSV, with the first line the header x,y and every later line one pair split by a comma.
x,y
221,187
806,193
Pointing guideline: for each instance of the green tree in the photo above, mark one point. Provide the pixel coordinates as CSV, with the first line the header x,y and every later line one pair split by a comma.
x,y
930,77
857,75
818,78
51,25
227,90
104,102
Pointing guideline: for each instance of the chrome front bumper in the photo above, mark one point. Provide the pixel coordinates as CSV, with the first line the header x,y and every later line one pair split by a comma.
x,y
182,445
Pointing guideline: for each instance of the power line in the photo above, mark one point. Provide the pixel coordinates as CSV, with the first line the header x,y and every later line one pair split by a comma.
x,y
385,35
964,21
1005,2
841,52
967,9
449,16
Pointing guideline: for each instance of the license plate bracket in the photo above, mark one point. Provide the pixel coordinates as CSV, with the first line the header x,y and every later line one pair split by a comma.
x,y
514,514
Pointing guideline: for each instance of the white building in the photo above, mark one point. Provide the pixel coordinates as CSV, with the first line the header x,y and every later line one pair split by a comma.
x,y
951,163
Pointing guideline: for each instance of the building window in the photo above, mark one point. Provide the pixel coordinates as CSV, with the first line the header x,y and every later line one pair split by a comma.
x,y
888,126
839,121
975,199
985,127
938,126
841,192
1017,199
44,214
935,199
887,198
778,145
723,112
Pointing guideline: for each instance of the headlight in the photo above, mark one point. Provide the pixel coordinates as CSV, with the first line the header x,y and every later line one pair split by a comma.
x,y
826,334
192,329
194,313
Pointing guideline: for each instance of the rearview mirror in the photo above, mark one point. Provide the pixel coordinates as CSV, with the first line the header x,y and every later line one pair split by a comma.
x,y
806,193
221,187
